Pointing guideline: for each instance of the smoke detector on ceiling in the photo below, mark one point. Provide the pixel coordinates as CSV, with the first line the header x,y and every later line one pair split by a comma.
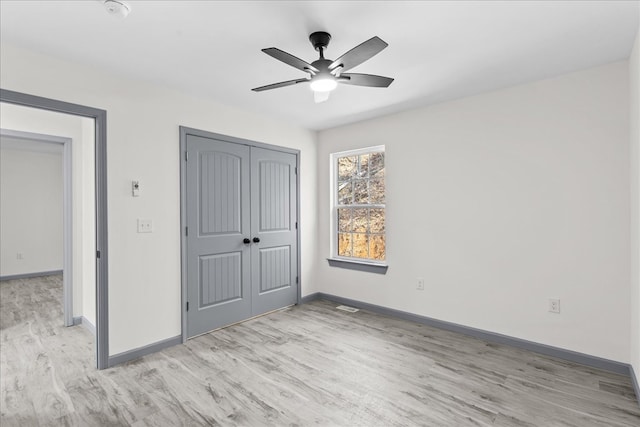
x,y
117,8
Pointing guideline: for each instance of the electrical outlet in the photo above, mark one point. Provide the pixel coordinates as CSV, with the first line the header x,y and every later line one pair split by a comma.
x,y
554,305
19,255
420,284
145,226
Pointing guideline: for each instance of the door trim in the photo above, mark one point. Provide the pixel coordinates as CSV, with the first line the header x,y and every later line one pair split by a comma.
x,y
184,131
102,271
67,213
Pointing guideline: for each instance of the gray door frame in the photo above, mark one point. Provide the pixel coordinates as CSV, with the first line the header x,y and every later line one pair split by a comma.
x,y
184,131
67,213
102,273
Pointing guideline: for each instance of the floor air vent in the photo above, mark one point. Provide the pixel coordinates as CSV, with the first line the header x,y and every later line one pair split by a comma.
x,y
347,308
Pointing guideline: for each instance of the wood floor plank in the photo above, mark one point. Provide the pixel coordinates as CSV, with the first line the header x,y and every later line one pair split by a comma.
x,y
306,365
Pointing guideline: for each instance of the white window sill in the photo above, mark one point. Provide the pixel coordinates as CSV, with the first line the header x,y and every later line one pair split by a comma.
x,y
358,265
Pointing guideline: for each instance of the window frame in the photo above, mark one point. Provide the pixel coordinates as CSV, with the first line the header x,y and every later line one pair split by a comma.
x,y
335,260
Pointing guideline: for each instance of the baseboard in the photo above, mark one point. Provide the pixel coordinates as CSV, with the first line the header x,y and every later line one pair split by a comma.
x,y
81,320
30,275
572,356
136,353
634,381
308,298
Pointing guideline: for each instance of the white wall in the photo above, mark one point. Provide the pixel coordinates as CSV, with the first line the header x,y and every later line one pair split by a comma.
x,y
634,74
30,210
143,141
501,201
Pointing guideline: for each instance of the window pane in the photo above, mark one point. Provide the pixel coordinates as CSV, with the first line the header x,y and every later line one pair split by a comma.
x,y
360,193
360,220
344,220
360,245
376,220
377,249
359,181
363,163
376,165
345,193
347,167
344,244
376,191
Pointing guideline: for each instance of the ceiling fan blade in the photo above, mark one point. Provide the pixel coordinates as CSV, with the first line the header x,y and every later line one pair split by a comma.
x,y
289,59
280,84
365,80
359,54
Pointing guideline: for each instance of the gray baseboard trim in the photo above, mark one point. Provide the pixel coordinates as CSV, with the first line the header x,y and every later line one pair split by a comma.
x,y
308,298
634,381
30,275
572,356
81,320
126,356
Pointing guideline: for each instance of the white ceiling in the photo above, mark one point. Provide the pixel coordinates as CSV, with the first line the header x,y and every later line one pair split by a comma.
x,y
438,50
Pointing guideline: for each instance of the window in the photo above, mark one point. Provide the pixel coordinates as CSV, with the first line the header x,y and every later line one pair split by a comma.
x,y
358,205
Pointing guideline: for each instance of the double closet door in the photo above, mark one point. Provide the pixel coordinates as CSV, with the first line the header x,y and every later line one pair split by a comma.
x,y
241,243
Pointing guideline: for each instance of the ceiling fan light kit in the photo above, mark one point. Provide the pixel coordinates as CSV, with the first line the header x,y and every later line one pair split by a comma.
x,y
325,74
321,83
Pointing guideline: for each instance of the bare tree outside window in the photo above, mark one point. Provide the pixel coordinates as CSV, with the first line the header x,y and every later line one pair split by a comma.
x,y
360,204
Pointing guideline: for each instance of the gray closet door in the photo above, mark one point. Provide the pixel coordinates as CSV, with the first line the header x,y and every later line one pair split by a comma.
x,y
241,246
274,266
218,220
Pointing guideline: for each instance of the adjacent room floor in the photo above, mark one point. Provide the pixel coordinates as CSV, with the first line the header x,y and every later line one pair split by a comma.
x,y
307,365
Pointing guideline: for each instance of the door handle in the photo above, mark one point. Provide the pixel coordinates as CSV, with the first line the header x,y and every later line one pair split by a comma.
x,y
256,240
246,241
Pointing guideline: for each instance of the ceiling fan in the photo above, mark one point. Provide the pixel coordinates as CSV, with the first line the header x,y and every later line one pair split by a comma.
x,y
325,74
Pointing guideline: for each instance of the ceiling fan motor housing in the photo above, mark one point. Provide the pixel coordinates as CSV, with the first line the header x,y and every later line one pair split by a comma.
x,y
322,64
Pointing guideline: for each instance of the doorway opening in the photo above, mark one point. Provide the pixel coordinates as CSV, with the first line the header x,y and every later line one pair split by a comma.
x,y
26,216
100,255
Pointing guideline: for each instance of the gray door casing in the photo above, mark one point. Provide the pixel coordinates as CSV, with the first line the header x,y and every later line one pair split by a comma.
x,y
258,184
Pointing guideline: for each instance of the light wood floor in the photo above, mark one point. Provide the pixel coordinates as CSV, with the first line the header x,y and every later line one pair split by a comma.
x,y
307,365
